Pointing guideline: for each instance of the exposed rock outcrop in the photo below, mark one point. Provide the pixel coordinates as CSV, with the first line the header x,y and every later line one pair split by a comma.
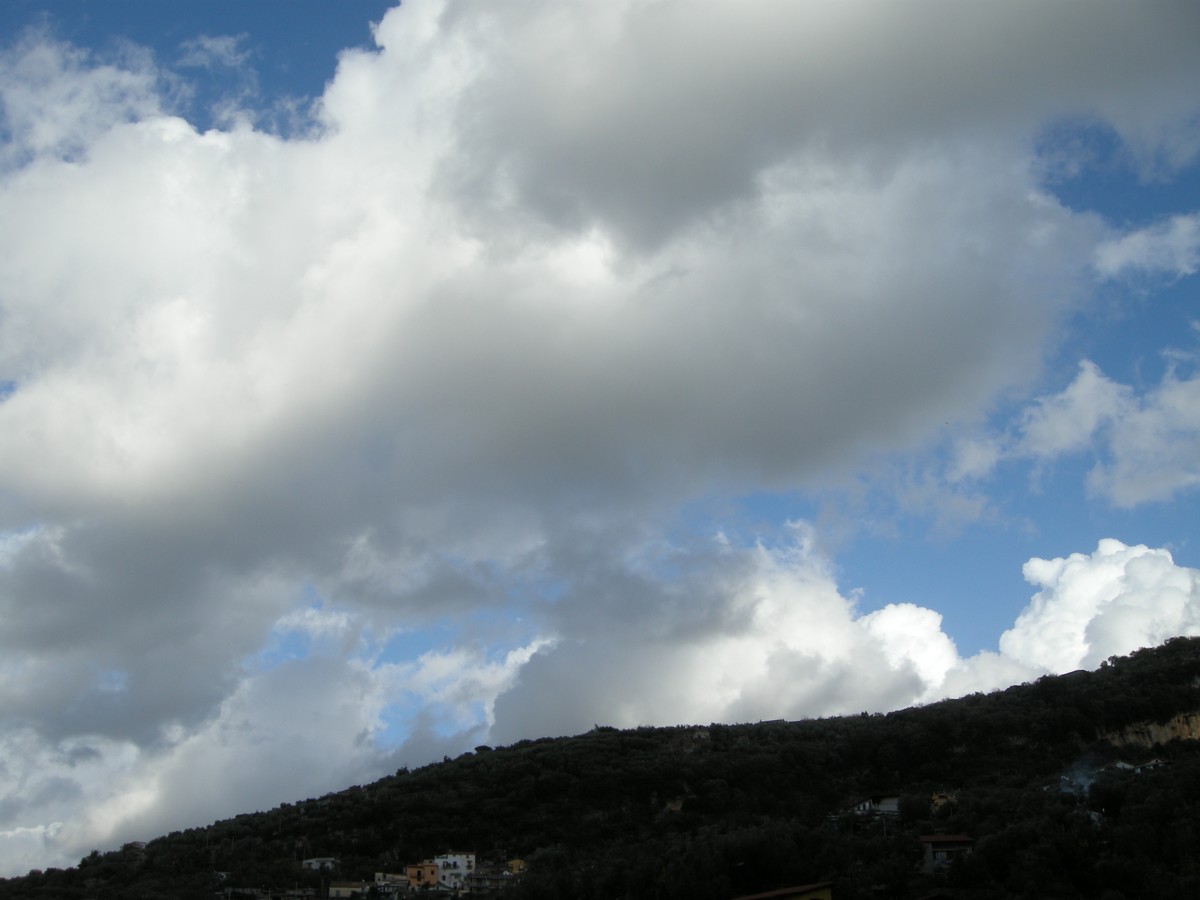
x,y
1185,726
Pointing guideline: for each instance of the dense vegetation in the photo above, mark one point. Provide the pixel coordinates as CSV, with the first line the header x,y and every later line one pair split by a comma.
x,y
721,810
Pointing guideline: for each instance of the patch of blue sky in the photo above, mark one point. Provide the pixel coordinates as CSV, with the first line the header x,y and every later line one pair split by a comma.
x,y
1071,519
283,646
408,644
7,389
1137,342
298,635
741,520
1090,169
400,720
499,629
975,585
1137,315
290,48
506,625
759,514
971,572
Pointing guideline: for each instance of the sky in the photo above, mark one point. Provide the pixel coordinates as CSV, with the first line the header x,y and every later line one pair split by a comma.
x,y
380,382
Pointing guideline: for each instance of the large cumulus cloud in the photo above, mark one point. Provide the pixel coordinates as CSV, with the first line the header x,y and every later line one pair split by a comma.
x,y
786,642
444,366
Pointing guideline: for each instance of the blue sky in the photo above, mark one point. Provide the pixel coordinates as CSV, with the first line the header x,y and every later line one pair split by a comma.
x,y
376,383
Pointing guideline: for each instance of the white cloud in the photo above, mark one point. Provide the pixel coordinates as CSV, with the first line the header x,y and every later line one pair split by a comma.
x,y
25,849
1171,248
974,457
302,728
1155,448
214,51
785,643
1067,422
57,99
1147,444
770,637
912,635
1088,608
583,116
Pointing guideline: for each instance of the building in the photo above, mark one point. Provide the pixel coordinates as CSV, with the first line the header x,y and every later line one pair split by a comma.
x,y
941,799
1139,768
942,849
821,890
453,869
319,864
495,877
878,806
422,875
347,889
490,880
388,883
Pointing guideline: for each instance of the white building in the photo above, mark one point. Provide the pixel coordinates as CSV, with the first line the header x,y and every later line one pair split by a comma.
x,y
878,806
320,864
453,869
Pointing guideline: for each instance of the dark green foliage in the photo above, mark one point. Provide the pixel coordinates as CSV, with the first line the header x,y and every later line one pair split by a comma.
x,y
717,811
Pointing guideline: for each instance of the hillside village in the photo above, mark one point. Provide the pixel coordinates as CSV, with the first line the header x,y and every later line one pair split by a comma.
x,y
448,874
458,873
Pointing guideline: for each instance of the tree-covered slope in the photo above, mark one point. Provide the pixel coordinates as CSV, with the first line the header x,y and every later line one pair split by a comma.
x,y
721,810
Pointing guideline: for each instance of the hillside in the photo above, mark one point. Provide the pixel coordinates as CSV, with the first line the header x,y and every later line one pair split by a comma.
x,y
1029,774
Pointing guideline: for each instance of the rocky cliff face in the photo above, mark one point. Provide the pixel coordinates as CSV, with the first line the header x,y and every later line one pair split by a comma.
x,y
1185,726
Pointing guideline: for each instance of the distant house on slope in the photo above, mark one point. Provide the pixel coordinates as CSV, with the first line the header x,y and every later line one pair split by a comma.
x,y
319,864
490,879
388,883
942,849
888,805
1139,768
